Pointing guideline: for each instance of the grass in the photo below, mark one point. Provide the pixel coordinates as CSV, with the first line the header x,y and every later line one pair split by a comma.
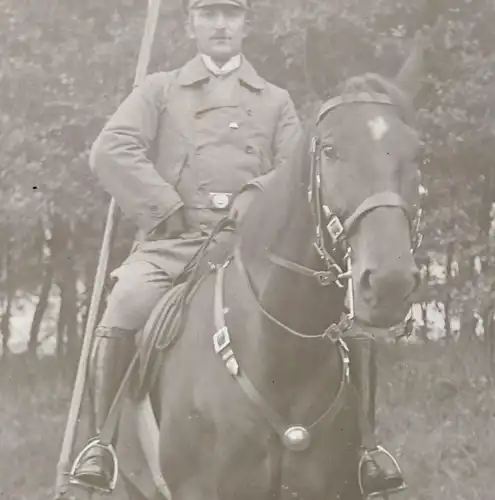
x,y
33,402
436,413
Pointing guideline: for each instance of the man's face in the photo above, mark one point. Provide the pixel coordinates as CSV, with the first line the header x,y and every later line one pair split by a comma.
x,y
218,30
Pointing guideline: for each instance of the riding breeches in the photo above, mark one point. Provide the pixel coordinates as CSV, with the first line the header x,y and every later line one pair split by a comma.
x,y
144,277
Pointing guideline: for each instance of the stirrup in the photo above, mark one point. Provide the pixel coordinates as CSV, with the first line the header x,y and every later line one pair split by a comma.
x,y
380,450
95,443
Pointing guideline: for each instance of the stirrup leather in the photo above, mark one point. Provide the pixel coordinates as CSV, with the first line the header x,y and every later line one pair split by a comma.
x,y
380,450
109,449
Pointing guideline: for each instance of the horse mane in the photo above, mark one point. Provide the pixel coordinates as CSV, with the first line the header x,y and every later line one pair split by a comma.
x,y
287,191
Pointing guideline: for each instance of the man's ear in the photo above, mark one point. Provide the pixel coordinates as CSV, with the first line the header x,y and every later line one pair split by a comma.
x,y
189,27
248,26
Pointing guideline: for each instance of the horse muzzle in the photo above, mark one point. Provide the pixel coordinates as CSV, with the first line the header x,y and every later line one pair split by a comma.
x,y
383,297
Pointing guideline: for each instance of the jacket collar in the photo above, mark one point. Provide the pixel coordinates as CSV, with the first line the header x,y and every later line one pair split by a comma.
x,y
229,67
195,71
248,75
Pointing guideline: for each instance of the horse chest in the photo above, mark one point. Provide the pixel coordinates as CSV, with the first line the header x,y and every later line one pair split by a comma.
x,y
317,473
253,459
229,448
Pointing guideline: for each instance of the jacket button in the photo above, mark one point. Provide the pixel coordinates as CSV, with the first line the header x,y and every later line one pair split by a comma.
x,y
249,149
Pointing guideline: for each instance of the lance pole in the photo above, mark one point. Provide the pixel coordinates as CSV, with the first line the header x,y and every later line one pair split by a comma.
x,y
62,479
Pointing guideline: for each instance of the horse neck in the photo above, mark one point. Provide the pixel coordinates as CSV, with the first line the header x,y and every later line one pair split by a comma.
x,y
269,352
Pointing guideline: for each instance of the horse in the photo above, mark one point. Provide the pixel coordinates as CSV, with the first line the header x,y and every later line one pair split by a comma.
x,y
253,398
251,401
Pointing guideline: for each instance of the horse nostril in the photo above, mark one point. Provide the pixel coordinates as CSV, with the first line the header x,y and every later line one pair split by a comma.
x,y
395,282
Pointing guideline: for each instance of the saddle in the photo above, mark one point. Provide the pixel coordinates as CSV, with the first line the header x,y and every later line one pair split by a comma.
x,y
166,321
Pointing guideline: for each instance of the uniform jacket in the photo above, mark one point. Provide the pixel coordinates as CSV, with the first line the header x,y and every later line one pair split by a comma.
x,y
176,142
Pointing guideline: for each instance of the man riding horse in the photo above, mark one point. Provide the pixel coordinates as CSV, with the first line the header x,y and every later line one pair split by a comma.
x,y
176,178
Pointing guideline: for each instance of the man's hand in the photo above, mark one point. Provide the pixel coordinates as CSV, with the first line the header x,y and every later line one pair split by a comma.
x,y
170,228
241,203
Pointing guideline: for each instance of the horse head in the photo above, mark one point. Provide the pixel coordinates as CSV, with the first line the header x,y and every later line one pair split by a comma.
x,y
352,192
365,171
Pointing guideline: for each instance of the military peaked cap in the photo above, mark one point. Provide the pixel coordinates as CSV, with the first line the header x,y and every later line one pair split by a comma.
x,y
196,4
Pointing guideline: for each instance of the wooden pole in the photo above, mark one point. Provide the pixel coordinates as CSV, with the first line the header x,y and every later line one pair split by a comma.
x,y
62,479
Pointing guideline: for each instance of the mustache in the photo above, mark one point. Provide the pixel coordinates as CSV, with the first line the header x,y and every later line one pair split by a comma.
x,y
220,35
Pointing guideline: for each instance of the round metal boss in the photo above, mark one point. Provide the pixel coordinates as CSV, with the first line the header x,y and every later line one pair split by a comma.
x,y
220,200
296,438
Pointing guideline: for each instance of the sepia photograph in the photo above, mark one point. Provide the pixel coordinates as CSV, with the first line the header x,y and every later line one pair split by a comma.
x,y
247,250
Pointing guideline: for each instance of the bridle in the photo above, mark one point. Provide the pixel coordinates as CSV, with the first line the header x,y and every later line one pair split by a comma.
x,y
333,249
336,256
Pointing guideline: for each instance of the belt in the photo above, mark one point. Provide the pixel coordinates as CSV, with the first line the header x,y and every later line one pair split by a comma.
x,y
216,201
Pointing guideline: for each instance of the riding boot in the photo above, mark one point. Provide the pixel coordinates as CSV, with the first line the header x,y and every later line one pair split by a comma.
x,y
379,473
112,354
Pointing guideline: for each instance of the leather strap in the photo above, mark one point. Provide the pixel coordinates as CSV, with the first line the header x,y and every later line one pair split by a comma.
x,y
243,272
383,199
367,434
324,278
360,97
226,352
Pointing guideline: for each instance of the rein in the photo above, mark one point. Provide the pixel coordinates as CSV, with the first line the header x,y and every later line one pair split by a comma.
x,y
343,324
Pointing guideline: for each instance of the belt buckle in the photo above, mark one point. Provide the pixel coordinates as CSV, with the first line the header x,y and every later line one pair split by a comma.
x,y
220,201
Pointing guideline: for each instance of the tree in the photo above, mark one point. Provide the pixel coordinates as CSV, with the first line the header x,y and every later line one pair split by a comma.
x,y
69,64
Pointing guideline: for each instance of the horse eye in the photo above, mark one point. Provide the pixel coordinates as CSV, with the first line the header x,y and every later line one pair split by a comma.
x,y
330,152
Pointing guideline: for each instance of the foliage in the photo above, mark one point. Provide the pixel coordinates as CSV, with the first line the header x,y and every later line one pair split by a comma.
x,y
69,64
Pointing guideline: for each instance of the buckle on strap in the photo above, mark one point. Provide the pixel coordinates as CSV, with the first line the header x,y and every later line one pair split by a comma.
x,y
336,331
335,228
221,344
327,278
221,339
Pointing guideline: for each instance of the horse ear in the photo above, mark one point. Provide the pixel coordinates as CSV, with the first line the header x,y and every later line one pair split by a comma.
x,y
411,76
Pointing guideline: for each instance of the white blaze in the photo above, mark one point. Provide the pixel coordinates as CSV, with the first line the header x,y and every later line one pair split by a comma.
x,y
379,127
